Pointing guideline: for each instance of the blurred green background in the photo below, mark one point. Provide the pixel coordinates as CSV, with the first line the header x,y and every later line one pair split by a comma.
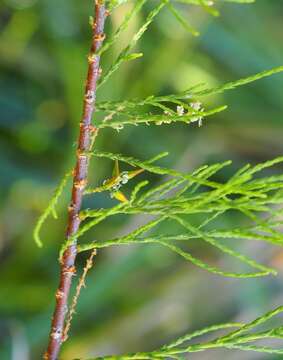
x,y
136,298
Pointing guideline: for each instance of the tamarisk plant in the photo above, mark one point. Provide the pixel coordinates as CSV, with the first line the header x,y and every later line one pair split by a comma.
x,y
176,199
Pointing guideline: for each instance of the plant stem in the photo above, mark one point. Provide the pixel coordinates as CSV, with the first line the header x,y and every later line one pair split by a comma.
x,y
85,141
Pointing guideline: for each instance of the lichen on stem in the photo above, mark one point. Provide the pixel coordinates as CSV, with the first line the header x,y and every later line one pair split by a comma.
x,y
86,138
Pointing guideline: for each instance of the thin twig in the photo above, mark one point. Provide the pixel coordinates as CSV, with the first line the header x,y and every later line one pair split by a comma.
x,y
85,142
81,284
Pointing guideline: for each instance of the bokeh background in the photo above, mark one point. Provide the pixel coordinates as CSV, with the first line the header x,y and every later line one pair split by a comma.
x,y
136,297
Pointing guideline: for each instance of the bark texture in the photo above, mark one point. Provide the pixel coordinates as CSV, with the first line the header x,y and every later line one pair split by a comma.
x,y
86,135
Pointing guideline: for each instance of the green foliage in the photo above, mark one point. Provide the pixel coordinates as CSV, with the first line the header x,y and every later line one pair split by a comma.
x,y
50,209
242,339
131,112
192,201
180,18
124,54
136,8
187,194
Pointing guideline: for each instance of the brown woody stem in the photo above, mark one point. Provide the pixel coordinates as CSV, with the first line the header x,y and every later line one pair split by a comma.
x,y
86,135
